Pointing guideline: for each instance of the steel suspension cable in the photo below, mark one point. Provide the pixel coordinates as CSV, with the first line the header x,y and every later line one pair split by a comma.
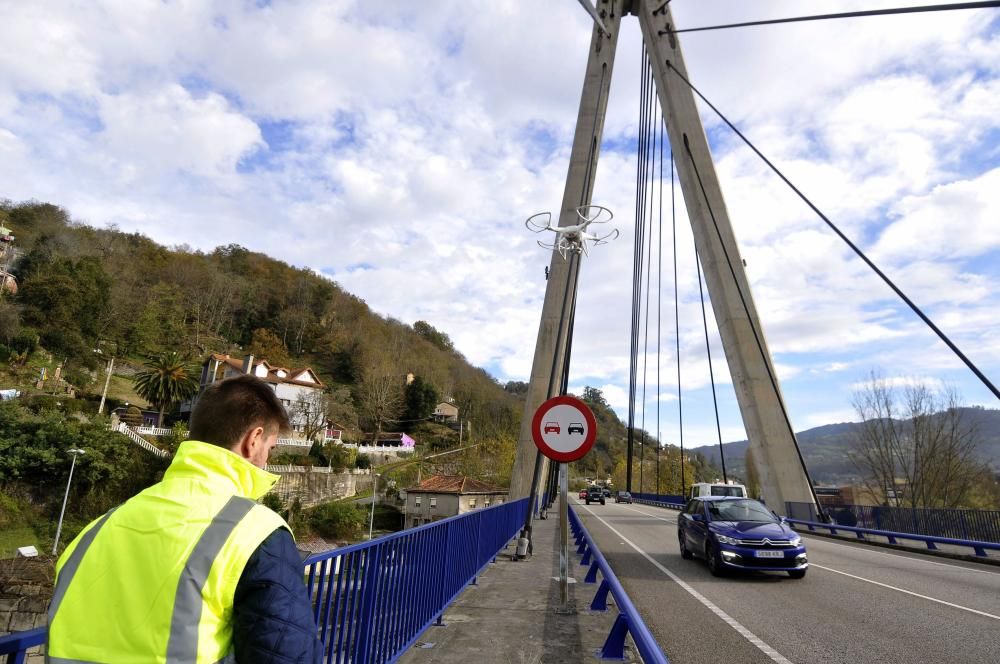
x,y
753,328
649,264
677,321
644,93
711,372
941,335
659,308
858,14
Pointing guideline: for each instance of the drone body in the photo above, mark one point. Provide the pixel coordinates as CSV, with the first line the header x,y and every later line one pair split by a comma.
x,y
573,238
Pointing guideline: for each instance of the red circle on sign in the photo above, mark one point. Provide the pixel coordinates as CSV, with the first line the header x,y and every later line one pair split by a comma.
x,y
539,430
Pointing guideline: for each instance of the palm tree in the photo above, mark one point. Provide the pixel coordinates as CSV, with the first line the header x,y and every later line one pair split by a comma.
x,y
168,379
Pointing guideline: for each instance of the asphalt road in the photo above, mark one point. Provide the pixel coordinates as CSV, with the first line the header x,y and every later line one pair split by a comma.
x,y
857,604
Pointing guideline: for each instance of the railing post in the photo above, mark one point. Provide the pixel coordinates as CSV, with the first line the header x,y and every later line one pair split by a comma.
x,y
614,646
366,626
444,572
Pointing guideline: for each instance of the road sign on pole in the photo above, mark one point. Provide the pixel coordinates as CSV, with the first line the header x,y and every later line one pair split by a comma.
x,y
564,429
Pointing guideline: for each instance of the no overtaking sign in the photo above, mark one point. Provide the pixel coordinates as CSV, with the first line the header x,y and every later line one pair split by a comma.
x,y
564,429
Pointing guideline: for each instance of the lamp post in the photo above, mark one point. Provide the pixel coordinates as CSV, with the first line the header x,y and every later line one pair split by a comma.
x,y
75,452
371,520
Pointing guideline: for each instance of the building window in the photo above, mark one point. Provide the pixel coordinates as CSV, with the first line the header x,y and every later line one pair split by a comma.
x,y
416,501
486,502
472,503
434,502
416,522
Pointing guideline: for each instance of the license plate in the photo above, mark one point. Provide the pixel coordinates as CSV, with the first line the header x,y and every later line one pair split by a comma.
x,y
769,554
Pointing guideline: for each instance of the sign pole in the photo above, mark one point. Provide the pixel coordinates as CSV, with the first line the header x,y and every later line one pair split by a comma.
x,y
564,533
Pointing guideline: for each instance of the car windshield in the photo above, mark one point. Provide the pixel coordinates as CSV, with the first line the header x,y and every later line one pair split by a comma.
x,y
740,510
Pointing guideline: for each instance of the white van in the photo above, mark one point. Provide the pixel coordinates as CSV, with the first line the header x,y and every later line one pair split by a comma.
x,y
702,489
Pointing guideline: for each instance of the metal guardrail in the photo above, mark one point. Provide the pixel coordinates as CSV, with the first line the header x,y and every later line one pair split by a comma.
x,y
628,621
965,524
372,600
930,540
14,647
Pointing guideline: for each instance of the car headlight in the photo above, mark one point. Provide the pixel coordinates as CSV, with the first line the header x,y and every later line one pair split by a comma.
x,y
794,540
722,539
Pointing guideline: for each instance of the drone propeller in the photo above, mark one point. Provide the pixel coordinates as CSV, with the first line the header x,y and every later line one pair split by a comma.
x,y
594,214
536,227
604,239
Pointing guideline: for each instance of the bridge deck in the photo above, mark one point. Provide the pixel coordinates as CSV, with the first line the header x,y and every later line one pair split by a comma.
x,y
513,614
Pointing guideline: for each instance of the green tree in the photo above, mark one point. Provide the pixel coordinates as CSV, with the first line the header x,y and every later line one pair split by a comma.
x,y
436,337
167,380
420,398
337,520
267,345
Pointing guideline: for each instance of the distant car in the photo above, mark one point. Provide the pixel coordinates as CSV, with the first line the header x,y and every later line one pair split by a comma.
x,y
575,427
583,494
607,492
623,497
739,534
595,495
552,427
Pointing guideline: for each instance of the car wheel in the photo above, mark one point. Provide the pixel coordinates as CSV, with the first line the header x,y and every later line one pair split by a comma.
x,y
685,554
797,573
714,560
602,501
588,502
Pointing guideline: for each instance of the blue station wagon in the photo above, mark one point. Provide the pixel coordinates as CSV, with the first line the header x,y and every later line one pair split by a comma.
x,y
739,534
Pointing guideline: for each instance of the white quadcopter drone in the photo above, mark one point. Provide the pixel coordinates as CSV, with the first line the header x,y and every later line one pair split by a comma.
x,y
574,238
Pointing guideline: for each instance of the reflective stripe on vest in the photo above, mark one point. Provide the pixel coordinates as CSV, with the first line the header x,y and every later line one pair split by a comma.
x,y
183,644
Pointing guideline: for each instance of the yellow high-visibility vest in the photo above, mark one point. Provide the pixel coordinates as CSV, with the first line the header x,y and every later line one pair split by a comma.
x,y
153,580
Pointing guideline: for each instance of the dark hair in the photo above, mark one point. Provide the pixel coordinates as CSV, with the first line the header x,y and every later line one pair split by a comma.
x,y
229,408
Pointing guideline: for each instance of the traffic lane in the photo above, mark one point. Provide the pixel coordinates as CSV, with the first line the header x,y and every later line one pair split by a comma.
x,y
976,587
966,584
823,618
688,631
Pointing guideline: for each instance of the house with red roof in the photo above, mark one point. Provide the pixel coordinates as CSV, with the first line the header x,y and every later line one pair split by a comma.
x,y
441,496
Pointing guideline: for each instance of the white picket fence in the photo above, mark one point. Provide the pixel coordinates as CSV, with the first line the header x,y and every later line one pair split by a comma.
x,y
288,468
154,431
140,441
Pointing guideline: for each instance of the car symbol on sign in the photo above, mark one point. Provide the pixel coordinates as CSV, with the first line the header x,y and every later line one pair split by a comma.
x,y
552,427
575,427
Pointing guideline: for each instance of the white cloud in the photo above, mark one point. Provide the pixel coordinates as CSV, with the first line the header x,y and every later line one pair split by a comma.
x,y
414,143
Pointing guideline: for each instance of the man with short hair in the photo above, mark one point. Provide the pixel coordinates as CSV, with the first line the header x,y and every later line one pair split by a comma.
x,y
192,569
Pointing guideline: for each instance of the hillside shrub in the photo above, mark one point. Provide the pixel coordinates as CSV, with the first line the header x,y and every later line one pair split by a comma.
x,y
337,520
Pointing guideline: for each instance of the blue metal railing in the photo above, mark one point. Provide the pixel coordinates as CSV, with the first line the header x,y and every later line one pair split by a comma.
x,y
15,646
628,621
978,525
372,600
930,540
659,499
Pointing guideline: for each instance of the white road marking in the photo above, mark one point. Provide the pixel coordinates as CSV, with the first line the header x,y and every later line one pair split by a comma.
x,y
743,631
908,592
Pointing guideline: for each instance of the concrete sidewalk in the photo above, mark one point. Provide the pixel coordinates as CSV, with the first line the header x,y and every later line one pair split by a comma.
x,y
513,615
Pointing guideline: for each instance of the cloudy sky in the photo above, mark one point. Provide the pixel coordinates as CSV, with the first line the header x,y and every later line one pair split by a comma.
x,y
397,147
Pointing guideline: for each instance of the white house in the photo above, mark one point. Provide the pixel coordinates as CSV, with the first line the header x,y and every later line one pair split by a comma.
x,y
288,384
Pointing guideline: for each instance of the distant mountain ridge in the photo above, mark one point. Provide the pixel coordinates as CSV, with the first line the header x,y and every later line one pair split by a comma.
x,y
825,448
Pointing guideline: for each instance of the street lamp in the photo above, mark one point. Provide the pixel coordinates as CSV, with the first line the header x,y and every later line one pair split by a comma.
x,y
371,521
75,452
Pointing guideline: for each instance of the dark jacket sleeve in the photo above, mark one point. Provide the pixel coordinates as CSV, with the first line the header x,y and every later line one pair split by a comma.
x,y
272,614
